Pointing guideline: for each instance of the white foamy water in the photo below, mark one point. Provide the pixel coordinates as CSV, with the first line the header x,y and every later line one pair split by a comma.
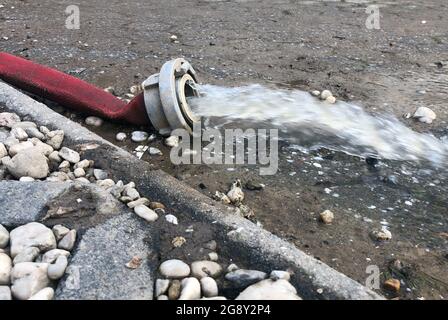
x,y
303,118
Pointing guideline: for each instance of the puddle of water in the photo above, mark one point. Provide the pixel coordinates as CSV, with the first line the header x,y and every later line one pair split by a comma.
x,y
304,119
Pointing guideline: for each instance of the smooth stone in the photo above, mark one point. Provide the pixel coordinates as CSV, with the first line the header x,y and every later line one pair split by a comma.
x,y
191,289
209,287
327,216
244,278
106,183
4,237
44,294
27,179
79,172
60,231
24,125
174,290
213,256
64,166
57,270
93,121
232,267
27,255
55,139
33,132
68,241
174,269
28,163
161,287
100,174
83,164
154,151
5,269
201,269
52,255
269,290
139,136
54,157
171,219
144,212
425,115
33,234
69,155
28,278
5,293
138,202
121,136
280,274
325,94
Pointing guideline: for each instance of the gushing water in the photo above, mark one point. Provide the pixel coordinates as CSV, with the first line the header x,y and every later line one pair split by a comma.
x,y
303,118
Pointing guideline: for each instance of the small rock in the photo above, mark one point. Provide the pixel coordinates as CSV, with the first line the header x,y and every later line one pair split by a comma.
x,y
52,255
191,289
209,287
131,193
83,164
213,256
174,269
8,119
236,194
325,94
382,235
55,139
425,115
326,217
161,287
232,267
79,172
111,90
211,245
5,293
64,166
174,290
68,241
139,136
269,290
154,151
28,278
27,179
44,294
60,231
69,155
162,297
173,38
33,234
33,132
135,89
219,196
392,285
156,205
144,212
138,202
44,130
57,270
254,186
172,141
200,269
315,93
4,237
178,242
279,274
134,263
5,269
171,219
27,255
244,278
106,183
100,174
121,136
54,157
94,121
246,211
331,100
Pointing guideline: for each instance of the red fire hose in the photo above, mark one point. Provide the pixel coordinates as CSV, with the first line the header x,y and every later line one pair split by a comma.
x,y
69,91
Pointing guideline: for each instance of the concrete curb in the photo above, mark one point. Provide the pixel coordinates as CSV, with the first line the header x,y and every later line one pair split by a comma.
x,y
312,278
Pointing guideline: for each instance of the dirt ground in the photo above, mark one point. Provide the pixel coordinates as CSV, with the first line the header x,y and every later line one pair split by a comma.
x,y
300,44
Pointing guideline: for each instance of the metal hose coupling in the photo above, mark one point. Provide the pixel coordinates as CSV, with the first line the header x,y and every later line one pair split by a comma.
x,y
165,96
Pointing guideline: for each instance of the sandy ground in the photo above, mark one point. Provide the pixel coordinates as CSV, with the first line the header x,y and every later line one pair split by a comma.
x,y
299,44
